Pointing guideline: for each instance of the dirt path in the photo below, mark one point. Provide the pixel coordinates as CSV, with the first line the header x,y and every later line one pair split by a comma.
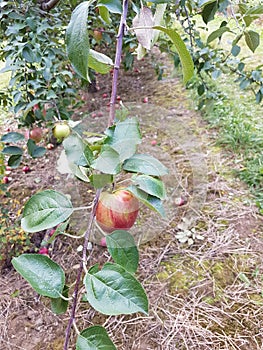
x,y
207,295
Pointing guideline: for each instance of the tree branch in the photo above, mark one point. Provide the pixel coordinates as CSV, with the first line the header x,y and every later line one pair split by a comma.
x,y
117,62
81,268
47,5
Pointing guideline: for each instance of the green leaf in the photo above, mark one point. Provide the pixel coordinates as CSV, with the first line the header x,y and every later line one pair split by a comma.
x,y
99,62
252,39
209,11
94,338
14,161
44,275
39,152
114,6
74,148
244,278
78,155
86,157
217,34
12,150
123,250
100,180
144,18
33,150
125,137
150,185
61,228
105,15
12,137
235,50
45,210
108,162
114,291
77,39
28,54
184,55
244,83
160,1
203,3
145,164
151,202
59,305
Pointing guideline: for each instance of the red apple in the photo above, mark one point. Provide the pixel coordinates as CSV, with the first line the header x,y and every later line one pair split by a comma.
x,y
105,95
145,100
52,231
97,35
6,180
50,146
103,242
43,251
35,107
180,201
117,210
153,142
36,134
26,169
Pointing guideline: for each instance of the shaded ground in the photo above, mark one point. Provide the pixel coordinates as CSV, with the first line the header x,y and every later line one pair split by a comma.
x,y
204,296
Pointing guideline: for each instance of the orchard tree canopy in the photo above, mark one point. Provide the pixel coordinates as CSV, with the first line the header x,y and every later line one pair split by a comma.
x,y
33,47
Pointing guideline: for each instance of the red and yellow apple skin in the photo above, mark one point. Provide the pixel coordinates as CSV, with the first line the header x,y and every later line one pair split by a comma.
x,y
117,210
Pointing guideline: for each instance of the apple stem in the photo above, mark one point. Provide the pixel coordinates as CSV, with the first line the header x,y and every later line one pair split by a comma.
x,y
81,268
117,62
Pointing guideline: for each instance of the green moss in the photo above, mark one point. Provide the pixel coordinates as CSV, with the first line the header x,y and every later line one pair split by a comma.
x,y
184,274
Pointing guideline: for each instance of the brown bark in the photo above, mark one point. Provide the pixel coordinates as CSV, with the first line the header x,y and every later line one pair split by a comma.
x,y
47,5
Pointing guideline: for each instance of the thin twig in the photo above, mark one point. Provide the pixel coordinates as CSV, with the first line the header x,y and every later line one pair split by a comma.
x,y
117,62
81,267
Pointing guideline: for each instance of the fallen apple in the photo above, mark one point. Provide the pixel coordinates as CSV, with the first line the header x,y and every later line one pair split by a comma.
x,y
103,242
61,131
36,134
52,231
43,251
50,146
26,169
5,180
117,210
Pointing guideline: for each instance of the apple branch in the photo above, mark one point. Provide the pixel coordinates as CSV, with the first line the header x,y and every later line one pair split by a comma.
x,y
47,5
81,268
117,62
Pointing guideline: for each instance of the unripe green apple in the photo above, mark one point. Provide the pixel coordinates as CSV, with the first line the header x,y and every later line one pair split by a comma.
x,y
61,131
117,210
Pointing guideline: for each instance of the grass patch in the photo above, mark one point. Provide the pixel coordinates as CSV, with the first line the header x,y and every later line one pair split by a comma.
x,y
240,128
237,117
4,81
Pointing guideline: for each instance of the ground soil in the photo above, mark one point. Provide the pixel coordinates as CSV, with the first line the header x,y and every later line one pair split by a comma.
x,y
206,295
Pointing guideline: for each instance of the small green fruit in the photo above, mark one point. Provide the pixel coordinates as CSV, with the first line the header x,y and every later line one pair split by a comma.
x,y
61,131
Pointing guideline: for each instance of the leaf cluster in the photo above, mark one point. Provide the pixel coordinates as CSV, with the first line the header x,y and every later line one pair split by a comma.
x,y
112,289
13,142
33,50
214,60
